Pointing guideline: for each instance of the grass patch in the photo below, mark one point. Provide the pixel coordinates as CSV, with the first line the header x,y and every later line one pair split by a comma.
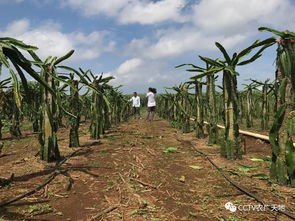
x,y
171,150
260,176
130,143
196,167
59,214
193,214
142,211
256,160
38,209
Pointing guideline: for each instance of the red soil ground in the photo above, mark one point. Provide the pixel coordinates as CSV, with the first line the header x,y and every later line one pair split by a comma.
x,y
128,168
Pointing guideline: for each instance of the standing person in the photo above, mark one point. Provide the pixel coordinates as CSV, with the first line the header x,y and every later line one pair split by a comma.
x,y
135,105
151,104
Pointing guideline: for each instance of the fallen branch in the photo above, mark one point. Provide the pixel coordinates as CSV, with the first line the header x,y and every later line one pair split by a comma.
x,y
122,178
132,164
48,180
58,165
5,182
247,133
108,210
70,180
150,152
3,155
139,161
144,184
37,154
242,189
5,203
229,195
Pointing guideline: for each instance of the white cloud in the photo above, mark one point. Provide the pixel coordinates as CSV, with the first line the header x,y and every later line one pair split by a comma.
x,y
209,15
189,26
132,11
237,16
149,12
230,22
128,72
172,43
129,66
18,27
94,7
51,41
137,73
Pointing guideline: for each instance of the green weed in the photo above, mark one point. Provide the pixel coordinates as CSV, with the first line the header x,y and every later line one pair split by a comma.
x,y
38,209
171,150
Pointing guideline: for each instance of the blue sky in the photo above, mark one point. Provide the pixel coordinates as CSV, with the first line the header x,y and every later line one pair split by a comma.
x,y
140,41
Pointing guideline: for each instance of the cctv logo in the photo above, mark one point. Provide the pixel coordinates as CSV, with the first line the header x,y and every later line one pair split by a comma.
x,y
230,206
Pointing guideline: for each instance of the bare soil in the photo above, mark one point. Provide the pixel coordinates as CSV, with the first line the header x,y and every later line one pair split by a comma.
x,y
150,170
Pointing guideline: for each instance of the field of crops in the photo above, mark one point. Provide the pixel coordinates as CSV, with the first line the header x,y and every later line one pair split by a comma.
x,y
71,150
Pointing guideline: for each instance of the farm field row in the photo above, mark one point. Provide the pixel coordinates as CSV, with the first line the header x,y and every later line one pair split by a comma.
x,y
146,171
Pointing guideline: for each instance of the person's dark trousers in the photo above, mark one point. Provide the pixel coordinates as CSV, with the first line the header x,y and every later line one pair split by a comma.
x,y
151,111
136,112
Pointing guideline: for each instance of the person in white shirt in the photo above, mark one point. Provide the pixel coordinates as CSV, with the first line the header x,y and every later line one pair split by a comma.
x,y
135,105
151,104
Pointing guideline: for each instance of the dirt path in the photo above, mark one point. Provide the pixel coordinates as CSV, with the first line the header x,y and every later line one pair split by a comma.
x,y
151,172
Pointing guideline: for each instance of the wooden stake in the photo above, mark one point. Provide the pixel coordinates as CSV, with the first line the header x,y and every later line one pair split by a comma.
x,y
144,184
99,215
